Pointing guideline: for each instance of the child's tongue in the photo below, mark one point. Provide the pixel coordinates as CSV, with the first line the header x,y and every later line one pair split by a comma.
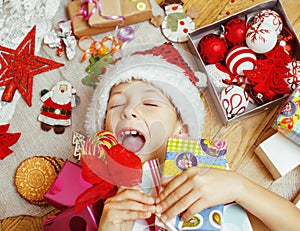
x,y
133,143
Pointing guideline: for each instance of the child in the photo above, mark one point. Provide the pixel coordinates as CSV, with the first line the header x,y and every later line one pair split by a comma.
x,y
146,98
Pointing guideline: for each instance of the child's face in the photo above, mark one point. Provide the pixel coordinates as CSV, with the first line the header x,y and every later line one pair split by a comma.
x,y
142,118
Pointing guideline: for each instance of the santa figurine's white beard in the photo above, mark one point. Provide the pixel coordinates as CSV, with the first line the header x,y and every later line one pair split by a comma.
x,y
61,98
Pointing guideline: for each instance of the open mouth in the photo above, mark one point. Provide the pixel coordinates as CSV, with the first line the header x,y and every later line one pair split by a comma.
x,y
132,140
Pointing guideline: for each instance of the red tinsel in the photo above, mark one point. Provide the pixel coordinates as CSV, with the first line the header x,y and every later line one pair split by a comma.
x,y
268,78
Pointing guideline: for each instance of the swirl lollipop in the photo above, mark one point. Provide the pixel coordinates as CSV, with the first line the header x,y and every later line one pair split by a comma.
x,y
99,143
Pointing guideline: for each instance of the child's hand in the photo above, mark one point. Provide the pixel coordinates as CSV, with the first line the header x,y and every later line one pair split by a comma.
x,y
196,189
121,210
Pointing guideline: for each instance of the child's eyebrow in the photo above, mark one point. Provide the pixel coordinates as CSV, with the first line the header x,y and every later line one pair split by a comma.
x,y
116,93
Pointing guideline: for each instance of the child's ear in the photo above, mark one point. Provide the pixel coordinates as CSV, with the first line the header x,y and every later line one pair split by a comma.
x,y
183,130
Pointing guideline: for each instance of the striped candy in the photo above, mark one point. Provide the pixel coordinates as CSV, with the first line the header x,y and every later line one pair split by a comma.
x,y
240,58
98,143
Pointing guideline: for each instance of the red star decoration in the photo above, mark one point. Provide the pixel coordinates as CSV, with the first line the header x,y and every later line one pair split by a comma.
x,y
19,66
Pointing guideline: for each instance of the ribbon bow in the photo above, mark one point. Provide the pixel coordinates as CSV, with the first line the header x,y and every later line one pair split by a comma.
x,y
98,48
63,40
118,167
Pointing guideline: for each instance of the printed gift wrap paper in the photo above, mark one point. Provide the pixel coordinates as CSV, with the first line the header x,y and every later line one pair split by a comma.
x,y
183,154
287,122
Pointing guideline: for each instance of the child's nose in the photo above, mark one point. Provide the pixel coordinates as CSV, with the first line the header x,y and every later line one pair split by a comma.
x,y
130,112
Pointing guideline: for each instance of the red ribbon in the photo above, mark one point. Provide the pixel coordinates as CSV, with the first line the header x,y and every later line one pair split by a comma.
x,y
120,167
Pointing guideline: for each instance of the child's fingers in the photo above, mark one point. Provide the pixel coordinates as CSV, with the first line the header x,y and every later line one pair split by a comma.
x,y
134,195
197,207
129,205
134,215
178,202
177,186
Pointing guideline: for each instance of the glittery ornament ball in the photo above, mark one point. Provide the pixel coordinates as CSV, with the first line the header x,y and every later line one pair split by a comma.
x,y
212,48
235,31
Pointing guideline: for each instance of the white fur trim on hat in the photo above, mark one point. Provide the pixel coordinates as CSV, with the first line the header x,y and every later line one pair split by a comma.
x,y
169,78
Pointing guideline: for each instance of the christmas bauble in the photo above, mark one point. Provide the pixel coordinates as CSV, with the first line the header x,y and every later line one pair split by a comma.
x,y
287,41
212,48
235,31
234,100
294,71
240,58
261,38
217,76
270,17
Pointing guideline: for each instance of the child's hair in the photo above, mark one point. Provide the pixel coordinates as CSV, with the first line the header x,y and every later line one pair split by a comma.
x,y
164,68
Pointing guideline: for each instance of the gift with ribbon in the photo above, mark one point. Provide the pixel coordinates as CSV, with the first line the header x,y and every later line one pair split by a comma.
x,y
98,16
288,119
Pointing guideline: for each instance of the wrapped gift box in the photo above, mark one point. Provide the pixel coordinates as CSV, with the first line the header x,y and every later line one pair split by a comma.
x,y
80,25
184,153
67,186
215,28
279,154
287,122
96,24
132,11
68,220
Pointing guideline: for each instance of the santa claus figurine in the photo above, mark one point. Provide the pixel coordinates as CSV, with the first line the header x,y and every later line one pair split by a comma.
x,y
57,108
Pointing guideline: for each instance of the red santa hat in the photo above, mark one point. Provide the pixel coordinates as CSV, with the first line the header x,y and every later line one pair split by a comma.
x,y
163,67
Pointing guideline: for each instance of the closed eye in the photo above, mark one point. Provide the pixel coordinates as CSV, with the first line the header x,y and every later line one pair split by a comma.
x,y
115,106
150,104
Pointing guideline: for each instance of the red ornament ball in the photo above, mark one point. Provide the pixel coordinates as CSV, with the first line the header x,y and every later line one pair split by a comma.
x,y
212,48
235,31
239,59
287,41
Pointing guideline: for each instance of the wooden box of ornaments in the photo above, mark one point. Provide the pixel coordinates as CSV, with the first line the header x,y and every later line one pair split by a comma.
x,y
251,59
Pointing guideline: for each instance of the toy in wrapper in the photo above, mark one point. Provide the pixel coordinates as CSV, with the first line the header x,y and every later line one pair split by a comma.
x,y
182,154
106,164
67,220
67,186
287,122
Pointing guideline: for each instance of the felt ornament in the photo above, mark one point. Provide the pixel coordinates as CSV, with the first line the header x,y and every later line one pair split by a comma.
x,y
177,25
118,167
96,68
64,40
57,107
19,66
7,140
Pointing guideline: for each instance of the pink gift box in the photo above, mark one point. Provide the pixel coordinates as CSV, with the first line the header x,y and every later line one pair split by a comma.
x,y
67,186
68,220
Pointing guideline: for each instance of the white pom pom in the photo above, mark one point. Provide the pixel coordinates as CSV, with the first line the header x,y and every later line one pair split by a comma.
x,y
202,79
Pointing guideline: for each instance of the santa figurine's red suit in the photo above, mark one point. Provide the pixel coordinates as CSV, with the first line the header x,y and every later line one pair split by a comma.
x,y
57,107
